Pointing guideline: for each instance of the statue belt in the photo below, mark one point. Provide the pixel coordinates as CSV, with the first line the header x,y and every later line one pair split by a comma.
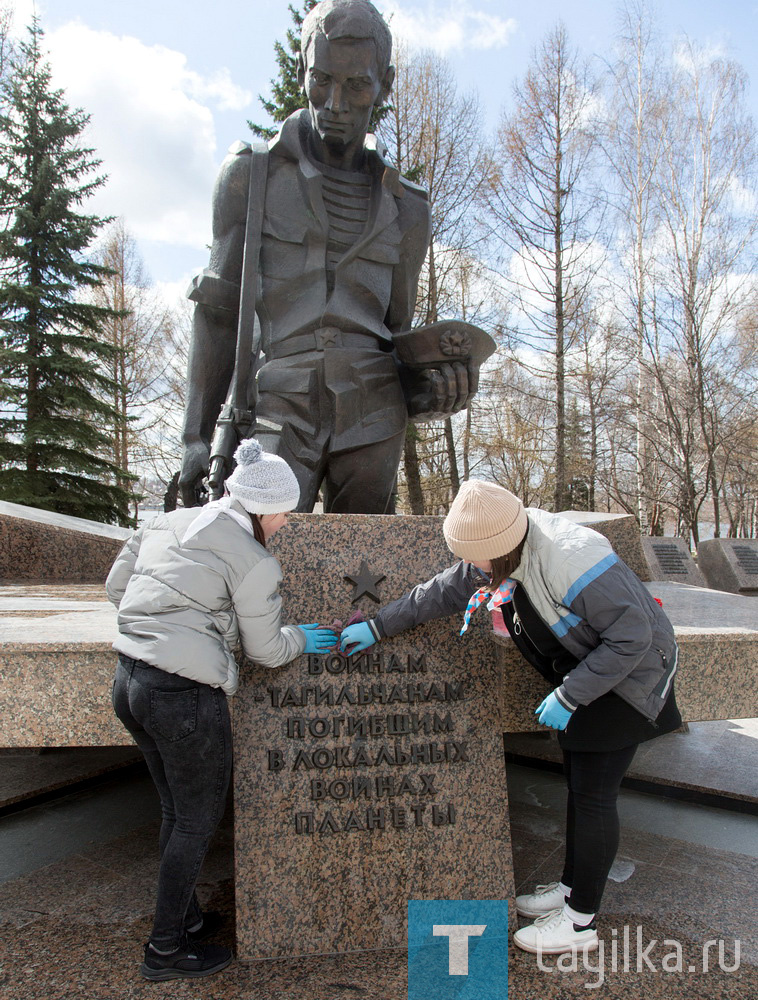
x,y
323,339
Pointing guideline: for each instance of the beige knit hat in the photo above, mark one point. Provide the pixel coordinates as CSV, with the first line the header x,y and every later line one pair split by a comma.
x,y
484,522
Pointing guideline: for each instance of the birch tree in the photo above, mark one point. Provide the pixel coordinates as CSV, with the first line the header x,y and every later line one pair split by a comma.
x,y
509,436
708,195
540,209
634,137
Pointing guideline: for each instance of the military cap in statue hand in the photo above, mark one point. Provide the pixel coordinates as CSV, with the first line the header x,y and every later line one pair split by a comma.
x,y
441,364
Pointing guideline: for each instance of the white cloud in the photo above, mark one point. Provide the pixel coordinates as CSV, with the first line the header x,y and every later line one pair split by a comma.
x,y
219,88
173,295
447,26
152,125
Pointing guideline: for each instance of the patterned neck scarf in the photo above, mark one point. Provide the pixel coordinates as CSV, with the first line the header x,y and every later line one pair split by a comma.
x,y
503,594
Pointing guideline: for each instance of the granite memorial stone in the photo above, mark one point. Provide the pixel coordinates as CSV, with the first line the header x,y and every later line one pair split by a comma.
x,y
301,332
730,564
363,782
671,559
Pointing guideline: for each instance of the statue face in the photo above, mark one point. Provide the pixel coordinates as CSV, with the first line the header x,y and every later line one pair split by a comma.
x,y
342,83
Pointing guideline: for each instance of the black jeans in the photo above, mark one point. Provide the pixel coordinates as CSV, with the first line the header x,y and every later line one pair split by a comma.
x,y
183,729
592,821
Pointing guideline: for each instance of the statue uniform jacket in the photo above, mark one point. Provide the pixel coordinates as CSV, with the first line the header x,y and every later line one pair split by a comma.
x,y
324,337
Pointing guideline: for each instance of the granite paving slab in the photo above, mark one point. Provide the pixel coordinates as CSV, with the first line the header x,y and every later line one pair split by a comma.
x,y
637,845
534,843
57,951
719,866
42,890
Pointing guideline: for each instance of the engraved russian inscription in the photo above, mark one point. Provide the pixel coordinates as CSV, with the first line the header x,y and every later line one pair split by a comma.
x,y
367,663
670,559
747,559
368,729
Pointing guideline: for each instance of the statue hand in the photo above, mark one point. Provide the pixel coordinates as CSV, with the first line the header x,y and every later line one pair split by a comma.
x,y
438,392
194,467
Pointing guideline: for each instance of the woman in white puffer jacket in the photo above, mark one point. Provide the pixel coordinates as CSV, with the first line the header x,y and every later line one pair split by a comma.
x,y
190,586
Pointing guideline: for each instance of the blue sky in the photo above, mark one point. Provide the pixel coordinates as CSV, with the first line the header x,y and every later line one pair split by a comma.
x,y
170,85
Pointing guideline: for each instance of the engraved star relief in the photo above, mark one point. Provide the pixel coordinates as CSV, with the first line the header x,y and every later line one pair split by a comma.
x,y
365,582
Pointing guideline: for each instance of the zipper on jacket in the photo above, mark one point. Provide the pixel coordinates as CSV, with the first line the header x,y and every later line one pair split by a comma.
x,y
663,686
518,628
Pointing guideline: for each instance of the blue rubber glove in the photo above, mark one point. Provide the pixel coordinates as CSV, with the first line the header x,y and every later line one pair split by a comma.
x,y
358,636
318,638
552,713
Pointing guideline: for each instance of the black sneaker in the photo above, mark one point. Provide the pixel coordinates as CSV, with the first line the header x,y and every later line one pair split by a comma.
x,y
189,961
212,923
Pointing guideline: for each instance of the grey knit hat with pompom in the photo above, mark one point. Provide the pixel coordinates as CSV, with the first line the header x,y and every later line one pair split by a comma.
x,y
262,483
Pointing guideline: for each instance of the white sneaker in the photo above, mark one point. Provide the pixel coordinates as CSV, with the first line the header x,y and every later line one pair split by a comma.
x,y
555,933
544,899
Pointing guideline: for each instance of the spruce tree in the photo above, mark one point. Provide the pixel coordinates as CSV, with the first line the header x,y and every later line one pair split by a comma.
x,y
54,409
286,94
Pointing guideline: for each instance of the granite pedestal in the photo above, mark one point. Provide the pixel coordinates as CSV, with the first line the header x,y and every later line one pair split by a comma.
x,y
362,783
358,786
57,667
57,660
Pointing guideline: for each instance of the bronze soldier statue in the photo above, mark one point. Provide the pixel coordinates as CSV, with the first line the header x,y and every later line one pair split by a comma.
x,y
317,247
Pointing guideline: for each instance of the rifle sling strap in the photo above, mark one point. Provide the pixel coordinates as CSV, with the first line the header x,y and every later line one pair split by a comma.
x,y
248,331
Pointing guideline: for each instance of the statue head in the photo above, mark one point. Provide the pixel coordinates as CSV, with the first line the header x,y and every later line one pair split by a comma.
x,y
344,69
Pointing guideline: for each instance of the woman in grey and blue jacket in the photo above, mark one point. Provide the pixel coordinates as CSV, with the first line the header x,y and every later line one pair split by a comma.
x,y
190,587
582,618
